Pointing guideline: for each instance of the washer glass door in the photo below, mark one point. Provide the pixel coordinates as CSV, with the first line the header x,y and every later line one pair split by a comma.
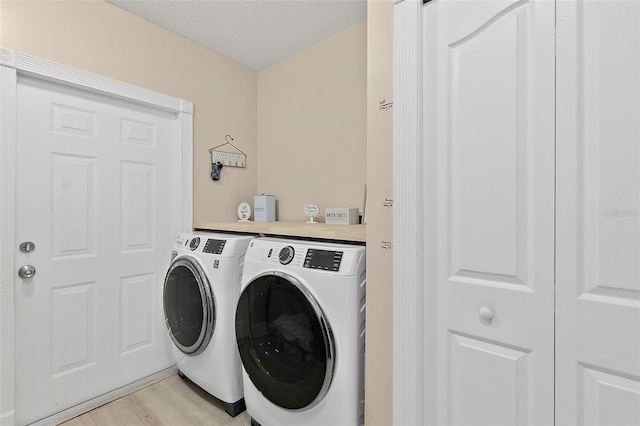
x,y
284,341
189,307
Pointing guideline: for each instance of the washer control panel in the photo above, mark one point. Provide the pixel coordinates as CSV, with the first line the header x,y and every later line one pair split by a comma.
x,y
214,246
324,260
317,256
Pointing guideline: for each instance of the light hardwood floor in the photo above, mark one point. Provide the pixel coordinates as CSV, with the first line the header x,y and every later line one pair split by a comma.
x,y
172,402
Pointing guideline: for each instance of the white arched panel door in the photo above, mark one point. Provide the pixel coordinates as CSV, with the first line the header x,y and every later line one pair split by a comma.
x,y
489,148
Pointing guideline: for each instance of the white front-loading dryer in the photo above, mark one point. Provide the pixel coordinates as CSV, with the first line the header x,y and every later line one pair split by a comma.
x,y
300,325
201,290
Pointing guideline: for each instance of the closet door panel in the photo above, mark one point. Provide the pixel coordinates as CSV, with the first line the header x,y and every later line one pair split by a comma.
x,y
598,213
488,102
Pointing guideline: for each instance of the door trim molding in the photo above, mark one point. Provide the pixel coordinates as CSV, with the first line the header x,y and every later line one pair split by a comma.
x,y
13,65
408,218
7,242
61,74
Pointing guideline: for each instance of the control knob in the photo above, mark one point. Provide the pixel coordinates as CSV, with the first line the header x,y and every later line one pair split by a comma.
x,y
194,243
286,255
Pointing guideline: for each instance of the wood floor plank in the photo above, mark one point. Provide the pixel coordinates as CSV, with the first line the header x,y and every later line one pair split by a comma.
x,y
206,408
172,402
117,412
203,407
83,420
152,408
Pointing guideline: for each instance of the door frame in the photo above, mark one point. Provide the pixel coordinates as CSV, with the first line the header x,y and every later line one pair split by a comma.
x,y
414,363
14,64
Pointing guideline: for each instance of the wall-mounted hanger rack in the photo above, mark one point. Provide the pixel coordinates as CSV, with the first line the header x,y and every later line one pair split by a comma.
x,y
230,159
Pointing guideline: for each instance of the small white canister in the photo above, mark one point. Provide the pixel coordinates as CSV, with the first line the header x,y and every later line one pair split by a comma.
x,y
264,208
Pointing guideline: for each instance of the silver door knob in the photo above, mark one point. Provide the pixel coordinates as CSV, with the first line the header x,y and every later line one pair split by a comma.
x,y
26,271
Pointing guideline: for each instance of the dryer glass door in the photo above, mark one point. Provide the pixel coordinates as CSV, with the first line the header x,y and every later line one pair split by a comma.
x,y
284,341
189,307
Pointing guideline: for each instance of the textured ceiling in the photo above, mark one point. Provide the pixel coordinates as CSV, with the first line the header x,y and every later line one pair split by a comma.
x,y
257,33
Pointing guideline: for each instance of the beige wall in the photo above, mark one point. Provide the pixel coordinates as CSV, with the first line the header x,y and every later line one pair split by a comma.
x,y
312,126
98,37
378,376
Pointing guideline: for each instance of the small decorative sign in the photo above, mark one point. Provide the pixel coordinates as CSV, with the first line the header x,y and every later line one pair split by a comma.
x,y
312,211
341,216
229,159
244,212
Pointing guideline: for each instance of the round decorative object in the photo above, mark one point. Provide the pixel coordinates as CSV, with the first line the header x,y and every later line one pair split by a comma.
x,y
244,211
312,211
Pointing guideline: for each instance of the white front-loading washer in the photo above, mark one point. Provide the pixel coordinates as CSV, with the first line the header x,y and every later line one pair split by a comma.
x,y
201,290
300,325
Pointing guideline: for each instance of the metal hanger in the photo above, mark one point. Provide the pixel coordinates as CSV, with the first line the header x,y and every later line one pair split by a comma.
x,y
228,142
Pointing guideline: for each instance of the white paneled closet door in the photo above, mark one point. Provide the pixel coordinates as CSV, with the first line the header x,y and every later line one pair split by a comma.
x,y
489,132
530,147
598,213
97,194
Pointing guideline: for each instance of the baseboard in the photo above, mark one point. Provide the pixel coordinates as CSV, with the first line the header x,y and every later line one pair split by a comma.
x,y
8,418
108,397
